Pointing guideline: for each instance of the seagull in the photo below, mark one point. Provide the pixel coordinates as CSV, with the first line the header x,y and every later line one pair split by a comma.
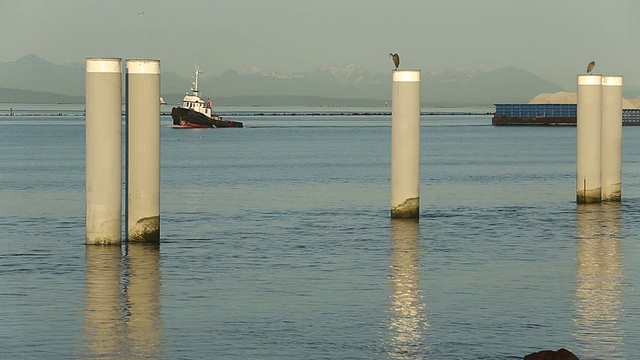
x,y
396,59
591,66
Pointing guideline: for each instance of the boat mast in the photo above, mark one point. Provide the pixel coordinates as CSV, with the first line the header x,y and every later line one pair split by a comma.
x,y
194,84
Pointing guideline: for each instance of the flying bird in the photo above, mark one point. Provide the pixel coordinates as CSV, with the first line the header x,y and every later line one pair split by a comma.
x,y
396,59
591,66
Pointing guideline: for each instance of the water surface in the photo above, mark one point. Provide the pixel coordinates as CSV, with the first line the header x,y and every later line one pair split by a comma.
x,y
276,243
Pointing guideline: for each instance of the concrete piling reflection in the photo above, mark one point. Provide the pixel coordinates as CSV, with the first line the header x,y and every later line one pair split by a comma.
x,y
143,296
102,325
122,316
599,281
405,144
408,322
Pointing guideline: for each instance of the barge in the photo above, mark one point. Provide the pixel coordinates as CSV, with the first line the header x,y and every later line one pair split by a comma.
x,y
549,115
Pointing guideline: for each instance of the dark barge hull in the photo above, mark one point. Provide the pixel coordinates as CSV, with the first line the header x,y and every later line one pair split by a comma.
x,y
189,118
500,120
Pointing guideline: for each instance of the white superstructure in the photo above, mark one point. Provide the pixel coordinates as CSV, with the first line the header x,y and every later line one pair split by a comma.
x,y
193,101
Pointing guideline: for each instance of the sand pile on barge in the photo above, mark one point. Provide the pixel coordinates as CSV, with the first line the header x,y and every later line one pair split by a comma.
x,y
563,97
636,102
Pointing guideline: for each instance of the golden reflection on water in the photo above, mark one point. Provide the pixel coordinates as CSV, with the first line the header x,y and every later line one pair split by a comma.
x,y
407,322
599,278
122,317
143,299
102,312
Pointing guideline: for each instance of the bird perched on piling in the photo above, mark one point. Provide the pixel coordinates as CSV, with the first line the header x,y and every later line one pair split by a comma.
x,y
396,59
591,66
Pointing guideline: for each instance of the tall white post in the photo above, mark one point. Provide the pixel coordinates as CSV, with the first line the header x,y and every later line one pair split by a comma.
x,y
143,164
589,138
611,138
103,205
405,144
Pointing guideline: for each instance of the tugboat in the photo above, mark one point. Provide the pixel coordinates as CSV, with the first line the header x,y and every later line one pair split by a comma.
x,y
197,113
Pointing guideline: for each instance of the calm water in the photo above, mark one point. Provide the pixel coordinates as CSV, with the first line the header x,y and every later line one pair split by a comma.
x,y
277,244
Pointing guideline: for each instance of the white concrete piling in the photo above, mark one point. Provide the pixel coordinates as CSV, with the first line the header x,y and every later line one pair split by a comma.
x,y
103,206
405,144
611,138
143,151
589,139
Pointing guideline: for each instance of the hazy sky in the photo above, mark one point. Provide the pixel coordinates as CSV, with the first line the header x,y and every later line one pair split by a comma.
x,y
555,39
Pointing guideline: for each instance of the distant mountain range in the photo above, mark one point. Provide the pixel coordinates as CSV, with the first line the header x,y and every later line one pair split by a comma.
x,y
32,79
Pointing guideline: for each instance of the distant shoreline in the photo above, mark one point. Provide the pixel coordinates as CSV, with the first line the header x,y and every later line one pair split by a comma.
x,y
276,113
346,113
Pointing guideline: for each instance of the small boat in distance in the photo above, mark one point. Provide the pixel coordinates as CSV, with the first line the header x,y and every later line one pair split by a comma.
x,y
197,113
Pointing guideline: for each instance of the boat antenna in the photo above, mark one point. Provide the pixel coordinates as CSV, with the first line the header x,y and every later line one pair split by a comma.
x,y
194,89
